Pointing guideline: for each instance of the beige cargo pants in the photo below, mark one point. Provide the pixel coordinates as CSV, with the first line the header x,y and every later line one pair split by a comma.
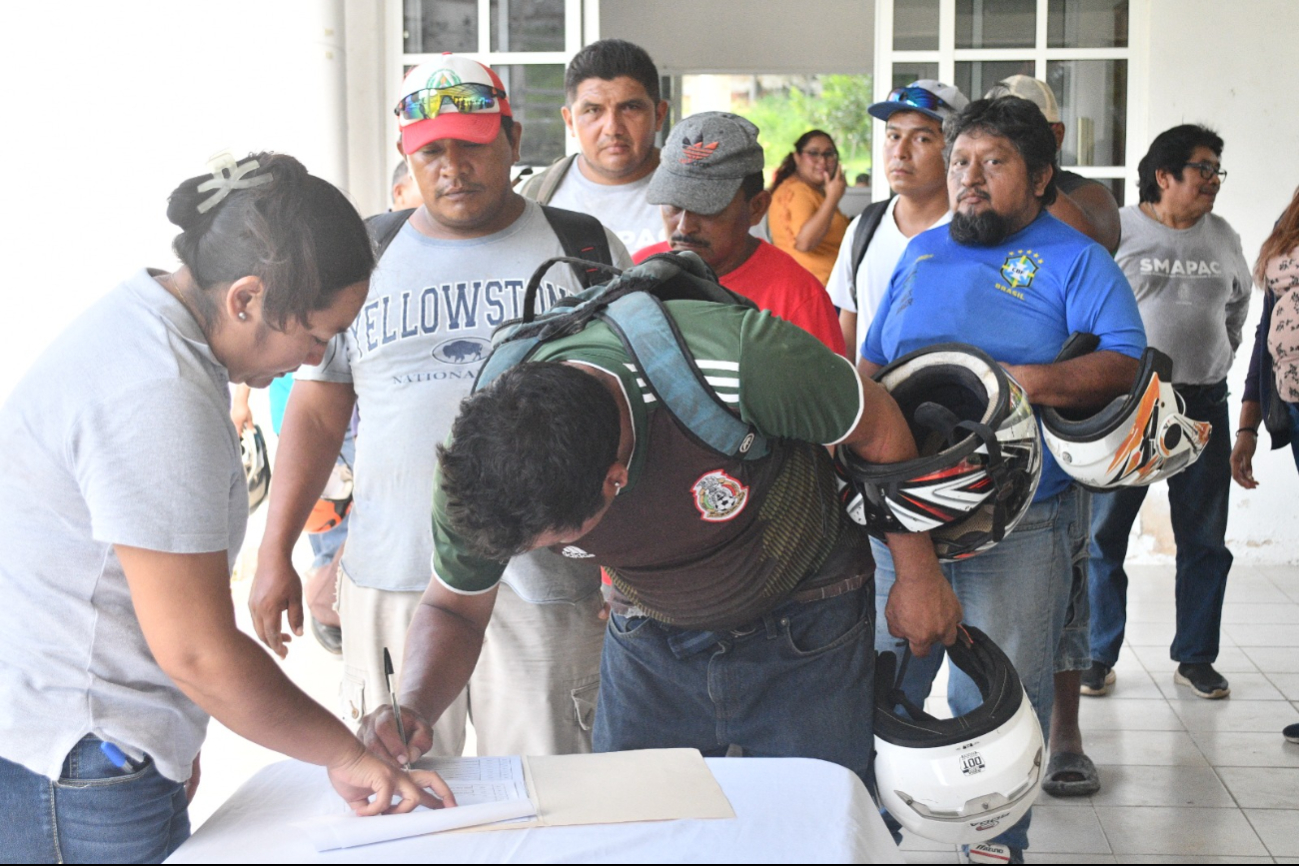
x,y
533,692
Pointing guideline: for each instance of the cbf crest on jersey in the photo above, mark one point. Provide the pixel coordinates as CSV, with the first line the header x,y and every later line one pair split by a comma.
x,y
1020,268
719,497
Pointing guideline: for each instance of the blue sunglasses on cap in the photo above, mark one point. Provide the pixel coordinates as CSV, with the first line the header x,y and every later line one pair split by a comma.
x,y
917,97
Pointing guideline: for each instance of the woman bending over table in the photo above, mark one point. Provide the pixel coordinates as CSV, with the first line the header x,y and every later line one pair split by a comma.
x,y
127,509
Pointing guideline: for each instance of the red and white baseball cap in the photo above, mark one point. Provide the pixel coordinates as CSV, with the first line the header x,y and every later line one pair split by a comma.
x,y
450,97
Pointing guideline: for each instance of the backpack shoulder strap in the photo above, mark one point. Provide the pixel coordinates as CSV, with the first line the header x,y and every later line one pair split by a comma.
x,y
658,350
541,188
582,237
383,227
871,218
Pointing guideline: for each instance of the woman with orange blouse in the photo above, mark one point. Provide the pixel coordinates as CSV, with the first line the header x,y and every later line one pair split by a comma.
x,y
804,218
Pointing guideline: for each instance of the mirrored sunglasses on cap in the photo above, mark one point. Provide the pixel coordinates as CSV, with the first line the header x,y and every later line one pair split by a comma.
x,y
917,97
466,98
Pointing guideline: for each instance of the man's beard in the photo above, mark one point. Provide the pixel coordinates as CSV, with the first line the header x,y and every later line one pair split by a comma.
x,y
985,229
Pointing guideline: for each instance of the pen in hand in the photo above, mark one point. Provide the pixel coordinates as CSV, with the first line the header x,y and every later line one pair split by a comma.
x,y
396,707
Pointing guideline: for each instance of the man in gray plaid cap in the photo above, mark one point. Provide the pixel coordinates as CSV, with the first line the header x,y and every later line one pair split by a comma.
x,y
709,184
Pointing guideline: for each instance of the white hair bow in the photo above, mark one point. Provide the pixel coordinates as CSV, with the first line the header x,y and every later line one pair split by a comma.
x,y
227,175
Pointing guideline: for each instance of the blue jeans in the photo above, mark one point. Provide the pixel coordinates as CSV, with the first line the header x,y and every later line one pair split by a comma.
x,y
1197,499
1017,593
796,683
1074,652
94,813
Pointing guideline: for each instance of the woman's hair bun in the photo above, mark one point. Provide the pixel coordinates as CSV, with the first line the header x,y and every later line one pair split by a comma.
x,y
182,204
267,217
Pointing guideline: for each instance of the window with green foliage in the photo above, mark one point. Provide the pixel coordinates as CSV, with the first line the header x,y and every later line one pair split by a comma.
x,y
783,107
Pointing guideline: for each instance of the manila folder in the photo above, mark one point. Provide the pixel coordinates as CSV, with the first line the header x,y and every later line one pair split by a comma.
x,y
617,787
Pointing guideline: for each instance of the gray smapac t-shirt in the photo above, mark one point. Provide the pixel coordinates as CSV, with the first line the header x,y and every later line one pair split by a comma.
x,y
1192,286
411,356
622,208
119,434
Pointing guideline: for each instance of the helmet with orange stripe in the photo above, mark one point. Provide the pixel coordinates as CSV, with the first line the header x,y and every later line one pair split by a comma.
x,y
1141,437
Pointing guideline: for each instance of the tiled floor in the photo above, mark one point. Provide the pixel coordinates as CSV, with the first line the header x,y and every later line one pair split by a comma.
x,y
1185,780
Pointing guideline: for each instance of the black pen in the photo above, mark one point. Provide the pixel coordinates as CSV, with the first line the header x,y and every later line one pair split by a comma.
x,y
396,707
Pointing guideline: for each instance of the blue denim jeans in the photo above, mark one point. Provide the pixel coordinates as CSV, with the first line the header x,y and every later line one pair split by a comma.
x,y
1074,652
1197,499
797,683
94,813
1017,593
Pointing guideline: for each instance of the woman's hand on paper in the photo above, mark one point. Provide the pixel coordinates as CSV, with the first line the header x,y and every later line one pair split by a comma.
x,y
379,733
364,775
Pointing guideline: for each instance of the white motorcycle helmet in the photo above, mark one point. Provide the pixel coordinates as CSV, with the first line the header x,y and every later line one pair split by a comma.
x,y
980,455
257,466
1138,439
959,781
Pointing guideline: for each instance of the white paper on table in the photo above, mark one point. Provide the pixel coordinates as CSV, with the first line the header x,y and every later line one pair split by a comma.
x,y
487,790
348,831
480,780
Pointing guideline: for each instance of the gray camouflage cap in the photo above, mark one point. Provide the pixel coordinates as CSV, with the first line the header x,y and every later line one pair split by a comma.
x,y
705,159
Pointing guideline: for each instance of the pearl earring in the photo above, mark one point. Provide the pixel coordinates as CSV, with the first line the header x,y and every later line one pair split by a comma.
x,y
243,317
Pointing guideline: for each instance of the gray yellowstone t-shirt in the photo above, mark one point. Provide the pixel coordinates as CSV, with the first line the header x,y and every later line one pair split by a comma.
x,y
119,434
1192,286
411,356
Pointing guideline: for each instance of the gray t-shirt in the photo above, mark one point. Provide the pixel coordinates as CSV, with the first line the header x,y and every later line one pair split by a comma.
x,y
119,434
1192,286
622,208
411,356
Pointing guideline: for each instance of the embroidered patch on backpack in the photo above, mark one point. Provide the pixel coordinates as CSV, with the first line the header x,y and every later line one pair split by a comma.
x,y
719,497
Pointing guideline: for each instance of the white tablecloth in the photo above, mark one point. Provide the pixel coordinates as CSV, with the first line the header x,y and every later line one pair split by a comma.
x,y
789,810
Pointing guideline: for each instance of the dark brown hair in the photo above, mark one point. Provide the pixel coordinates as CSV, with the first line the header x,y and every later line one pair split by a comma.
x,y
787,165
297,233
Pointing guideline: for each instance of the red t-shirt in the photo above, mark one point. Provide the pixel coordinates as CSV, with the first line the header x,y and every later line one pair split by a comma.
x,y
775,282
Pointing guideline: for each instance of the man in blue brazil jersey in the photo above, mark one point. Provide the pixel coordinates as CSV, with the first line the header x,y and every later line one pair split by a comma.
x,y
1008,277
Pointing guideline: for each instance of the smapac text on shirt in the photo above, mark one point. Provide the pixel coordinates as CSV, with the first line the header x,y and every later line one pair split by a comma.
x,y
1181,267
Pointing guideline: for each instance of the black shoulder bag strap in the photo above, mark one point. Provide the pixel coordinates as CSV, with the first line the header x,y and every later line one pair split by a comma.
x,y
871,218
383,227
582,237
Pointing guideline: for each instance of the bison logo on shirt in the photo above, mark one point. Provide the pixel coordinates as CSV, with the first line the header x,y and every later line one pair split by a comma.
x,y
719,497
465,350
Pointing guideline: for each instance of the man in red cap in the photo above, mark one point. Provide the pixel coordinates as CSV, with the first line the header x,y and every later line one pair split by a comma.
x,y
454,269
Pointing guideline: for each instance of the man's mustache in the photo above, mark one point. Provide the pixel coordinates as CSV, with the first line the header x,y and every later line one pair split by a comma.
x,y
691,240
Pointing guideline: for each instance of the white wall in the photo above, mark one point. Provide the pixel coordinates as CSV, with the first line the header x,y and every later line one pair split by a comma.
x,y
747,36
109,105
1225,66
